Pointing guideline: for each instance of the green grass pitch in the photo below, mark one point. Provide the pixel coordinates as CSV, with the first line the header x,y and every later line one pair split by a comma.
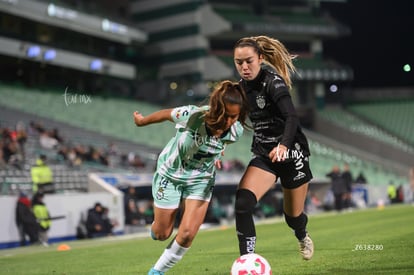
x,y
370,241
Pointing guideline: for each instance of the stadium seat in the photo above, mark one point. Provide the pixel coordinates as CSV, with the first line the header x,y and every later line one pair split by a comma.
x,y
113,117
395,117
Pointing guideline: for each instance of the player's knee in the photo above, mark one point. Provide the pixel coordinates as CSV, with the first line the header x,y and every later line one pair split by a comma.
x,y
161,234
245,201
186,236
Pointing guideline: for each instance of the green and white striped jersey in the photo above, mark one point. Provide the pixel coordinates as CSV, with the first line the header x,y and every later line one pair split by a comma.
x,y
189,157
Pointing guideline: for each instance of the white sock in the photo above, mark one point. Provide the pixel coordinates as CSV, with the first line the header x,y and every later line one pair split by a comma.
x,y
170,256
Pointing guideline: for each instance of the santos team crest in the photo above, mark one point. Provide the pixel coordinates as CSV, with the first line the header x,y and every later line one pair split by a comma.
x,y
260,101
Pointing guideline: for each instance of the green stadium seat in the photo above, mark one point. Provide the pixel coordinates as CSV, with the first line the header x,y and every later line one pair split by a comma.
x,y
113,117
394,117
376,131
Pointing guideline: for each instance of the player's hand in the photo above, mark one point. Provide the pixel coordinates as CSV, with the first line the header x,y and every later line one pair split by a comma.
x,y
138,119
278,153
217,163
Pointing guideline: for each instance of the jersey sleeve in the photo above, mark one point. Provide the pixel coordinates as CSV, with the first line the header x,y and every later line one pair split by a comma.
x,y
236,131
281,97
181,115
278,88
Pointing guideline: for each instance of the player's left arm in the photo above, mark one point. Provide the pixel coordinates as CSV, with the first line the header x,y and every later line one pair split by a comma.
x,y
156,117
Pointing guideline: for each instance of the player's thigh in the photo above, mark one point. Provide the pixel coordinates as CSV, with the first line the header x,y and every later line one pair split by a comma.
x,y
257,180
193,216
164,219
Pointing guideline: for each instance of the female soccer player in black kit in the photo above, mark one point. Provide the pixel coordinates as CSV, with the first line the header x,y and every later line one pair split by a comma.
x,y
279,147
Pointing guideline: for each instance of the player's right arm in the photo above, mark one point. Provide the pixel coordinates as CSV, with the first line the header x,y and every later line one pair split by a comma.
x,y
156,117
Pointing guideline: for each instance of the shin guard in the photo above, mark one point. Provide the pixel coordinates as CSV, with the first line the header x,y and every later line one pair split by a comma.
x,y
298,224
245,203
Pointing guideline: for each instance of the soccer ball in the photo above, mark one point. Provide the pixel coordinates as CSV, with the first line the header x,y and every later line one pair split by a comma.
x,y
251,264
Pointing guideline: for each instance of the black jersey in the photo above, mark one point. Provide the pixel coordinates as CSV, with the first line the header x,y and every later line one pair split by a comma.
x,y
273,116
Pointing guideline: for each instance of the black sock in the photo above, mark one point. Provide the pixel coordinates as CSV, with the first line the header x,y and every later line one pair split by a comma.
x,y
298,224
246,231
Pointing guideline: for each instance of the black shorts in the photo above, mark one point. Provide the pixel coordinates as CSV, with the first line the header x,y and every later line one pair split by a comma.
x,y
292,173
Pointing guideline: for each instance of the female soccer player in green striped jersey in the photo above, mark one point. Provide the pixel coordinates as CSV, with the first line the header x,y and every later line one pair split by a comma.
x,y
187,165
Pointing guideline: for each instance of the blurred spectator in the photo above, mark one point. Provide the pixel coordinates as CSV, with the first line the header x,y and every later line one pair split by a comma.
x,y
92,155
12,154
56,135
148,210
134,217
69,155
63,152
328,201
42,216
97,222
124,161
42,176
10,149
400,194
108,222
134,160
80,151
35,128
12,144
112,149
96,156
102,157
47,141
347,177
392,193
361,179
26,221
130,194
21,137
73,158
338,186
7,134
